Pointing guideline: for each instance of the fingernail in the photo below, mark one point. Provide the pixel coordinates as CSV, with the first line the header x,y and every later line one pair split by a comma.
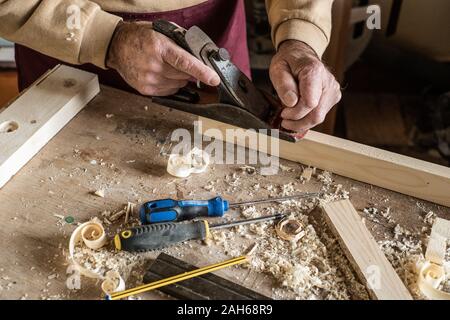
x,y
300,134
290,99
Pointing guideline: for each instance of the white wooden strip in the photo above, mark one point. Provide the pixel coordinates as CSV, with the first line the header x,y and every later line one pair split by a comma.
x,y
38,114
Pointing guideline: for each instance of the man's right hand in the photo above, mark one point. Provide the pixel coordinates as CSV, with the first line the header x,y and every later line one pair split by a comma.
x,y
152,63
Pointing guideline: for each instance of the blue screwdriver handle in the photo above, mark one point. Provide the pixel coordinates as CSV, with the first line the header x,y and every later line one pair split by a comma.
x,y
168,210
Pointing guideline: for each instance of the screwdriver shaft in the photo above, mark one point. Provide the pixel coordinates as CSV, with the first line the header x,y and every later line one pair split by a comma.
x,y
297,196
248,221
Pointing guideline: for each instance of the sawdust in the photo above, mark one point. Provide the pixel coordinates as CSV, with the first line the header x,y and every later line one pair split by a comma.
x,y
314,267
105,259
407,248
306,175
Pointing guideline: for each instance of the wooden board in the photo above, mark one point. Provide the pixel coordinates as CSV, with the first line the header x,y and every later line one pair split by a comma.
x,y
363,251
37,115
129,149
385,169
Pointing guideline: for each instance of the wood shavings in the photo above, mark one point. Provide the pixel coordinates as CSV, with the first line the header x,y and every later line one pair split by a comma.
x,y
117,215
432,271
182,166
286,168
290,229
99,193
248,170
127,210
111,267
113,283
325,177
306,174
233,180
210,186
93,235
403,253
429,218
75,238
250,212
313,268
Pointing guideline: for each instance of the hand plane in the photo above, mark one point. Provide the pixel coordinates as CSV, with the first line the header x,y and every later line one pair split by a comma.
x,y
239,103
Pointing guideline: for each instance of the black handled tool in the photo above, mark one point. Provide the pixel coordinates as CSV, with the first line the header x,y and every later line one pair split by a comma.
x,y
161,235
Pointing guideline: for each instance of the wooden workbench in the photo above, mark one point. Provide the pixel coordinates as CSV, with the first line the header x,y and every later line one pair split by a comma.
x,y
126,155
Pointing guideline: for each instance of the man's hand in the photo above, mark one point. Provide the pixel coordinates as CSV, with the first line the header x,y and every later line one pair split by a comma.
x,y
304,85
152,63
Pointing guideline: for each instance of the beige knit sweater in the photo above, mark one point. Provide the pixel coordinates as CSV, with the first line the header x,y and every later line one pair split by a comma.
x,y
47,25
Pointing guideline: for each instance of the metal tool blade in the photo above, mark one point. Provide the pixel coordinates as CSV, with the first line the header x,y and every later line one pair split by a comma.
x,y
297,196
248,221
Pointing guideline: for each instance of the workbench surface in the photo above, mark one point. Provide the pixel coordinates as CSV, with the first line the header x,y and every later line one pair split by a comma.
x,y
126,155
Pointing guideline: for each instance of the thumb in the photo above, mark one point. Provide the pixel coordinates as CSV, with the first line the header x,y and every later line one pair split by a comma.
x,y
284,83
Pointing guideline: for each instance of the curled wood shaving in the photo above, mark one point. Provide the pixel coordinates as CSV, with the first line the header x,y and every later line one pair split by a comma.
x,y
290,229
113,282
93,235
432,272
182,166
77,237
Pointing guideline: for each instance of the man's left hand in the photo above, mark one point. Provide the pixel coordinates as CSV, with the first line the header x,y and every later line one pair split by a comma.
x,y
305,86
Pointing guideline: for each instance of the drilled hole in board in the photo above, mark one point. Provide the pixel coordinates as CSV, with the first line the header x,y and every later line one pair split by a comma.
x,y
8,126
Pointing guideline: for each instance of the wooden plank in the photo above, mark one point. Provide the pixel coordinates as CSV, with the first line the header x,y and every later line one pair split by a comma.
x,y
37,115
363,252
385,169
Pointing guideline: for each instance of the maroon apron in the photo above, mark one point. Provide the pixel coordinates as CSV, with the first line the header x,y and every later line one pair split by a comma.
x,y
222,20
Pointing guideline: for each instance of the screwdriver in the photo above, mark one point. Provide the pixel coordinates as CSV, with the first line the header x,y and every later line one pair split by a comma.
x,y
161,235
166,210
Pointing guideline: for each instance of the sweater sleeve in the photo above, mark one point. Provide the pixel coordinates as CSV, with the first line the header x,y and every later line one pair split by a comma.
x,y
74,31
304,20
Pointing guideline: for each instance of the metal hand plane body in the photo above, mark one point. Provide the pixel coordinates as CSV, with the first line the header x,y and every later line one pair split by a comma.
x,y
240,103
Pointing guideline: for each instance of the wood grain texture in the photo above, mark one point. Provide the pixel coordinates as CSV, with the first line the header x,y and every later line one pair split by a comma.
x,y
363,252
60,180
378,167
37,115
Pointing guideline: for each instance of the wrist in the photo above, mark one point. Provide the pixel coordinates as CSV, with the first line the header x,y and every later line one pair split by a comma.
x,y
298,45
111,56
